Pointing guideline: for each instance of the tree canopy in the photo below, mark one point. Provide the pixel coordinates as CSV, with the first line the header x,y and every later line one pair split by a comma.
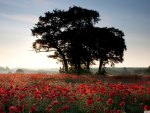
x,y
71,38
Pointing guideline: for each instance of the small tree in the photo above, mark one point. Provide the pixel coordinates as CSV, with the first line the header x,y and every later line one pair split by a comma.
x,y
147,70
108,47
20,71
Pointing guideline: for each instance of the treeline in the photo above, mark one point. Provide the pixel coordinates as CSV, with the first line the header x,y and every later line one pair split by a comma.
x,y
72,38
3,69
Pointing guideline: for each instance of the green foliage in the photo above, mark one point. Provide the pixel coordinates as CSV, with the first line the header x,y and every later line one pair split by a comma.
x,y
73,70
103,72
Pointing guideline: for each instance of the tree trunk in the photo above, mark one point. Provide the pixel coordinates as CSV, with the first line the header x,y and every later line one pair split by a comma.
x,y
88,59
76,67
65,63
88,66
100,65
79,67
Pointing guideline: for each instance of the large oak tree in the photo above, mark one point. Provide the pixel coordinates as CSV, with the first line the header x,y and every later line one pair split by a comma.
x,y
72,38
50,27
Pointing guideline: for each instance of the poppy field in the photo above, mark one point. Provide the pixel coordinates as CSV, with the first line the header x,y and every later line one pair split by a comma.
x,y
64,93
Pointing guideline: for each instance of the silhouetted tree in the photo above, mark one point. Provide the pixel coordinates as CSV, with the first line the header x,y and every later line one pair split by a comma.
x,y
50,28
93,43
109,46
77,50
73,40
20,71
147,70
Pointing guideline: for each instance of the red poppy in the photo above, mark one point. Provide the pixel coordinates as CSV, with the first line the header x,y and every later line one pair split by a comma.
x,y
110,101
66,107
55,102
33,109
118,111
122,104
146,107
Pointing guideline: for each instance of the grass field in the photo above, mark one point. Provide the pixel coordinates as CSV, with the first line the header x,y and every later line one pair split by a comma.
x,y
62,93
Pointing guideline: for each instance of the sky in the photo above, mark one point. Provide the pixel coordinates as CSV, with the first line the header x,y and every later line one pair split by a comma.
x,y
18,17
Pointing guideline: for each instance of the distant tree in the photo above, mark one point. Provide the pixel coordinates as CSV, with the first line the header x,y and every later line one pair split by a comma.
x,y
20,71
125,70
7,68
4,69
147,70
9,72
49,31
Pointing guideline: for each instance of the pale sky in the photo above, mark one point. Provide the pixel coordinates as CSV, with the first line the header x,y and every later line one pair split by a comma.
x,y
18,17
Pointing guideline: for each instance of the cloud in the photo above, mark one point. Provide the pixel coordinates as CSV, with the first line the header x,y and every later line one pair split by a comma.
x,y
14,3
21,18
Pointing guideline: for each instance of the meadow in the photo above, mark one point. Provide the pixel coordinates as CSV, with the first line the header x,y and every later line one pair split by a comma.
x,y
65,93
